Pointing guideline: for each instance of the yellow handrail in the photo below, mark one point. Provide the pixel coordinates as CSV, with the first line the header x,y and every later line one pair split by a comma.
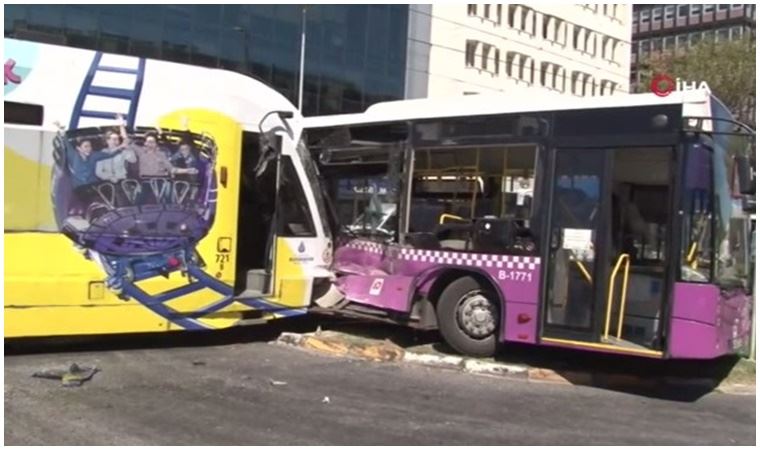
x,y
624,257
584,271
445,216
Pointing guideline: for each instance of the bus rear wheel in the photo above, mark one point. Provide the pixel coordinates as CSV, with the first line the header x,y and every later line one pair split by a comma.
x,y
468,317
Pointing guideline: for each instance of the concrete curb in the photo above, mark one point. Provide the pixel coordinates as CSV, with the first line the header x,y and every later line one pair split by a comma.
x,y
385,351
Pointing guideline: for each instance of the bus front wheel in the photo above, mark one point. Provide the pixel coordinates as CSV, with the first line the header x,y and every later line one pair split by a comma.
x,y
468,317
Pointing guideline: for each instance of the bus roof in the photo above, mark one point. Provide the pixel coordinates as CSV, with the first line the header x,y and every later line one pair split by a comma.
x,y
471,105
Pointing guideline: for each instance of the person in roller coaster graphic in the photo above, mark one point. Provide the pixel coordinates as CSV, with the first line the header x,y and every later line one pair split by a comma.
x,y
82,162
141,190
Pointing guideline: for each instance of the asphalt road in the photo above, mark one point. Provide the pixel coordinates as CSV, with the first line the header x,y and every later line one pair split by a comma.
x,y
232,395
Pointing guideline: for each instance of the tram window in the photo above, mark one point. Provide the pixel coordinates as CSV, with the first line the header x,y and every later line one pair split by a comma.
x,y
23,113
295,218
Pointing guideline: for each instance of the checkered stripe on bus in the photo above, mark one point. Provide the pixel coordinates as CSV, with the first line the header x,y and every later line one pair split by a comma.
x,y
370,247
471,259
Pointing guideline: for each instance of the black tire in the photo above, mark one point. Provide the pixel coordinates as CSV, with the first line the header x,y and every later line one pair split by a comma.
x,y
447,311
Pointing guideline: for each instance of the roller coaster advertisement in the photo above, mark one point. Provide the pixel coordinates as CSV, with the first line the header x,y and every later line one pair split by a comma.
x,y
137,200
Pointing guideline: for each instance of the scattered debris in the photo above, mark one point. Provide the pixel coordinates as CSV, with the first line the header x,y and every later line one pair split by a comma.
x,y
278,383
199,363
73,376
326,400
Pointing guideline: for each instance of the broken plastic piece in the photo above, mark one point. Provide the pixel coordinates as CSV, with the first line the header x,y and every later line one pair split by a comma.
x,y
73,376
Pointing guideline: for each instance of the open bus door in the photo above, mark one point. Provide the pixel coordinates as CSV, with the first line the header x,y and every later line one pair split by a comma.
x,y
601,276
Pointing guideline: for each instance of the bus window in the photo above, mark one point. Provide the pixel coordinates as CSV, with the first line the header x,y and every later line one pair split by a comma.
x,y
473,184
697,241
363,186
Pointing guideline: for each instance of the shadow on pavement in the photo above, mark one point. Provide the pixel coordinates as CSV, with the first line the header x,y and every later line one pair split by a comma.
x,y
678,380
235,335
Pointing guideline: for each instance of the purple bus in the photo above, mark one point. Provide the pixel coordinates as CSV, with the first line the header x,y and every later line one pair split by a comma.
x,y
615,224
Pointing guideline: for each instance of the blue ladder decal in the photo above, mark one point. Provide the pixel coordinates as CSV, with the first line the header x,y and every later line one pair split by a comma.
x,y
88,89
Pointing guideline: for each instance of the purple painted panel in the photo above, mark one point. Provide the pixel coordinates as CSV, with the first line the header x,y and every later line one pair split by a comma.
x,y
707,323
389,292
697,302
519,322
518,277
689,339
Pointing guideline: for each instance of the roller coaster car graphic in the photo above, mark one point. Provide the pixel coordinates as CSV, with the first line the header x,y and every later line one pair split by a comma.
x,y
140,206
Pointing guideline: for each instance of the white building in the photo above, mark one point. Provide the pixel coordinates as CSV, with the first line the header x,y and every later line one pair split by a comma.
x,y
572,49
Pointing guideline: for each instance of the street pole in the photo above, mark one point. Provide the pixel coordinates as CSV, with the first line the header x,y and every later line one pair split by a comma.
x,y
247,59
303,59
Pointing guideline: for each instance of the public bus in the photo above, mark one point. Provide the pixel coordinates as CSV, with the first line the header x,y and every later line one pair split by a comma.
x,y
616,224
144,196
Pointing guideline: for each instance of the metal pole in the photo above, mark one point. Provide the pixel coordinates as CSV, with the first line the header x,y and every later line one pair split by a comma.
x,y
752,343
303,59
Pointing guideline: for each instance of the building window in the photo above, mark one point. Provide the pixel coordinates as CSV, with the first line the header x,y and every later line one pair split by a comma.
x,y
694,38
736,33
722,6
670,42
497,60
486,11
656,14
708,9
708,36
682,41
576,36
469,56
484,56
721,34
644,16
542,77
498,13
635,16
695,10
669,12
510,64
511,13
657,45
590,45
683,11
472,10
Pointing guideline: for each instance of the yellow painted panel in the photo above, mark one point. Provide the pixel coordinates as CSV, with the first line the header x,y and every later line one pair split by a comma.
x,y
81,320
291,284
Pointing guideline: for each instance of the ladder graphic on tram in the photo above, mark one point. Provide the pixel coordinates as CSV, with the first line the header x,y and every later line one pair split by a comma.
x,y
112,87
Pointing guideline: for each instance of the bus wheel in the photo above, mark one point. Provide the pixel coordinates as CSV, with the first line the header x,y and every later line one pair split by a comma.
x,y
468,317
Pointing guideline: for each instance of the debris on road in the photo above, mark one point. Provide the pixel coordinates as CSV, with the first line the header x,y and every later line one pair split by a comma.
x,y
72,377
326,400
278,383
199,363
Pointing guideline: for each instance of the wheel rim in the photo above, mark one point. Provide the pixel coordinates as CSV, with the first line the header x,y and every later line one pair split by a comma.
x,y
476,315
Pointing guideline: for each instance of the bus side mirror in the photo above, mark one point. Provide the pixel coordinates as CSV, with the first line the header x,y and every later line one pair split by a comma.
x,y
745,174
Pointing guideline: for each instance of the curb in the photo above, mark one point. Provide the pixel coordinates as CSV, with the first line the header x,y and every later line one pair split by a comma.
x,y
386,351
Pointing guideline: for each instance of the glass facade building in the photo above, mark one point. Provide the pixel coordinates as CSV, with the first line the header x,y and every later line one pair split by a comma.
x,y
355,54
